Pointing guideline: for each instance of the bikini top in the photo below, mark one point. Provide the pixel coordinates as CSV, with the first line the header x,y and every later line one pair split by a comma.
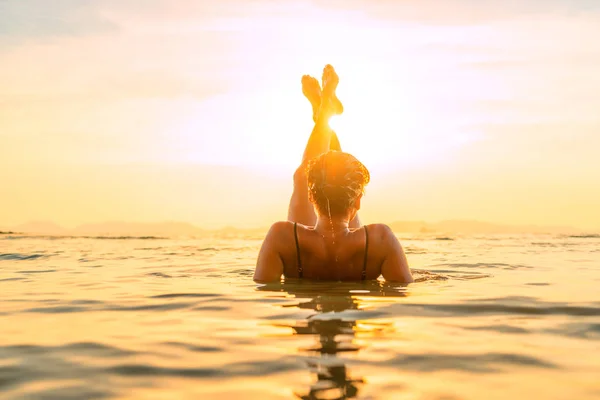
x,y
301,270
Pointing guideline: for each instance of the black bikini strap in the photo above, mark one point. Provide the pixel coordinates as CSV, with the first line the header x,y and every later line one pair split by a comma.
x,y
364,271
297,250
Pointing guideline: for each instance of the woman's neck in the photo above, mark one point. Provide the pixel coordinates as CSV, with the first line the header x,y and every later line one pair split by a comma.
x,y
326,224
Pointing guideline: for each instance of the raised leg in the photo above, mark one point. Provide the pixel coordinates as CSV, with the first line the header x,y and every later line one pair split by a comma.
x,y
334,144
338,109
312,91
322,139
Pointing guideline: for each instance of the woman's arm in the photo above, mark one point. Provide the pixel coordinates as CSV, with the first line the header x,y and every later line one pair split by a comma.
x,y
395,266
269,266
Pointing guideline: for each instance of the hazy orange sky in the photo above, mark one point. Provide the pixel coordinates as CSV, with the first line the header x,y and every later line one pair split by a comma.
x,y
192,110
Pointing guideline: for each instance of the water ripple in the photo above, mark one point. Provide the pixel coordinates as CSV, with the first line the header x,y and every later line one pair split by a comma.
x,y
474,363
62,309
470,309
20,257
194,348
39,271
242,369
97,349
578,330
499,329
185,295
485,266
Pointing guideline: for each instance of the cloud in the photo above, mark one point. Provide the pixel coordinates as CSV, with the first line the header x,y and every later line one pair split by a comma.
x,y
27,19
42,19
459,12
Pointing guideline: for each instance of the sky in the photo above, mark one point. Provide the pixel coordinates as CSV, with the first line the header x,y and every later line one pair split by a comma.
x,y
192,110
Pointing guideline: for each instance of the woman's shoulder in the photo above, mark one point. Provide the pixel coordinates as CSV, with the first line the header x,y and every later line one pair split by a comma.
x,y
280,234
381,233
382,229
280,227
287,227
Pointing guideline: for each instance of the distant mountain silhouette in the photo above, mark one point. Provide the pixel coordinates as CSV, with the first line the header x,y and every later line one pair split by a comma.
x,y
112,229
186,229
139,229
474,227
40,227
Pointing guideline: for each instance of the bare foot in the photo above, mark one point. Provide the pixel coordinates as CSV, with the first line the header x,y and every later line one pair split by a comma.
x,y
312,91
328,73
328,97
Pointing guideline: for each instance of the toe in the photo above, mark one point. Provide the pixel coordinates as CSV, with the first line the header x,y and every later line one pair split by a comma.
x,y
330,77
326,73
311,85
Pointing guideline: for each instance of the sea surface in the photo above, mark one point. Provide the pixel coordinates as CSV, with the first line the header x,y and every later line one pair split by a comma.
x,y
491,317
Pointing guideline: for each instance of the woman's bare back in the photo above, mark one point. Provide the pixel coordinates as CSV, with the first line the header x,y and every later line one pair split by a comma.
x,y
317,261
331,256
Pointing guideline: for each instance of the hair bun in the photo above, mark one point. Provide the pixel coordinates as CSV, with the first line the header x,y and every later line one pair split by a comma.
x,y
335,180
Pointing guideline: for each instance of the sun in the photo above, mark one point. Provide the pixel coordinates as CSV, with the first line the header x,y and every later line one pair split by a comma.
x,y
386,123
334,122
378,134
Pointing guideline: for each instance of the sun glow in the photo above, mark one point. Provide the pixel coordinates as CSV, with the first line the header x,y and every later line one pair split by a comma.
x,y
395,113
384,124
382,128
334,122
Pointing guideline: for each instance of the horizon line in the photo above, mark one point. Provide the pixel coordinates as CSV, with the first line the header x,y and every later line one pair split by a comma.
x,y
410,226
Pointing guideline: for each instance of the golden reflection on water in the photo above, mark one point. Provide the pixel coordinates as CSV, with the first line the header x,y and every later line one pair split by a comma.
x,y
335,331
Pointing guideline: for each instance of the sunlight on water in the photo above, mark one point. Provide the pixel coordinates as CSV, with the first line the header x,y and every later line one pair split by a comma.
x,y
489,317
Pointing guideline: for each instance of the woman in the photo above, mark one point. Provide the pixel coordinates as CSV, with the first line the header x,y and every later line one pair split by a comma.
x,y
323,238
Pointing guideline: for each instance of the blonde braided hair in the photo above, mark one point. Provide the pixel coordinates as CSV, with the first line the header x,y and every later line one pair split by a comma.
x,y
335,180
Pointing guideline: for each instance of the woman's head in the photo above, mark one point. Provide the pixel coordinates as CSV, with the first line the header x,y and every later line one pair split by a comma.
x,y
336,182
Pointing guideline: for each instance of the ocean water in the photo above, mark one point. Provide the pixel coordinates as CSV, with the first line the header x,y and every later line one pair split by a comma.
x,y
496,317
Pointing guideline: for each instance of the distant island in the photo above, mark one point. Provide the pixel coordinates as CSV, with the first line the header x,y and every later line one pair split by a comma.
x,y
170,229
118,228
478,227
